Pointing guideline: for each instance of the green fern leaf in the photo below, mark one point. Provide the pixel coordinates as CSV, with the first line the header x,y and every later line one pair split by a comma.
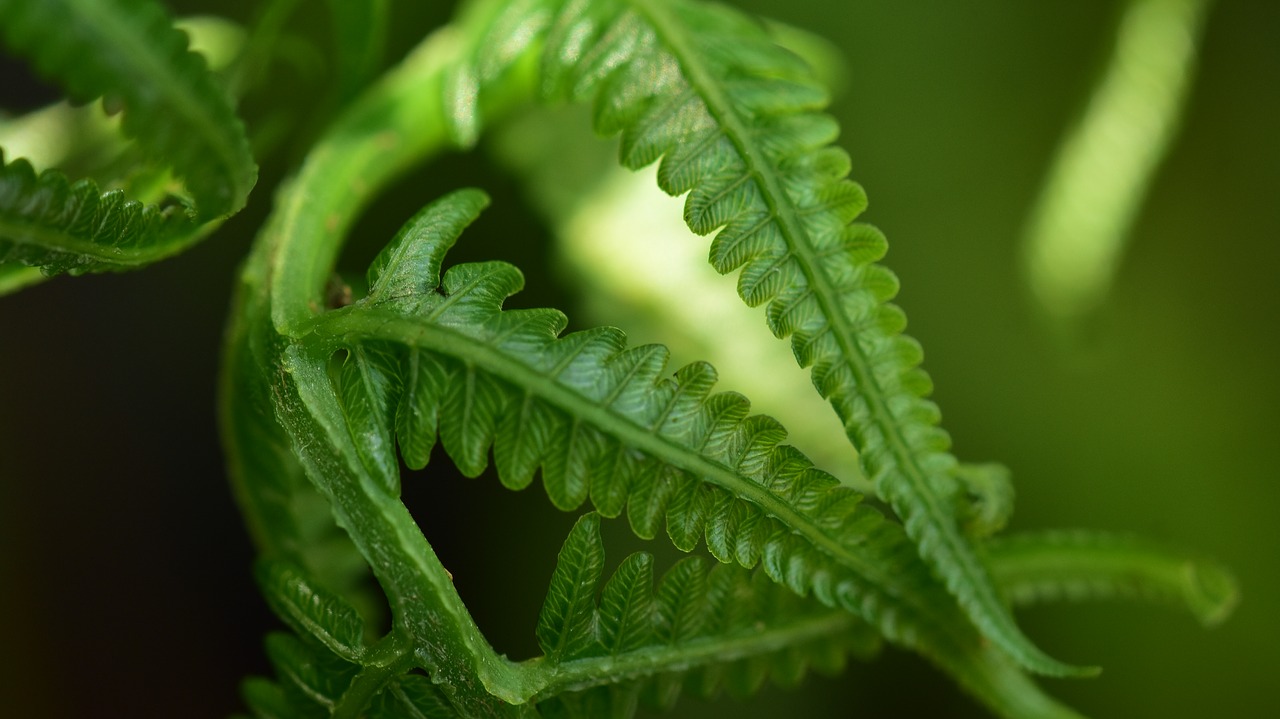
x,y
504,33
1086,565
734,119
265,699
311,610
129,52
610,402
410,263
59,226
326,670
412,696
474,399
567,624
313,680
626,605
617,428
734,629
693,460
680,618
990,490
366,390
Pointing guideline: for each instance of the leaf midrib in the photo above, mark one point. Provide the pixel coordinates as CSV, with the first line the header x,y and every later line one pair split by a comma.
x,y
58,241
585,673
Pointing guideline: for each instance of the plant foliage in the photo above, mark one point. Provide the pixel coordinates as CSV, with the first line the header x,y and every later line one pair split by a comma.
x,y
323,401
129,53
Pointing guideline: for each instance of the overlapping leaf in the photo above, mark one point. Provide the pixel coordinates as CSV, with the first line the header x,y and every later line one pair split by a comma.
x,y
128,52
598,419
735,121
505,31
324,669
48,222
702,630
732,628
311,610
990,490
602,421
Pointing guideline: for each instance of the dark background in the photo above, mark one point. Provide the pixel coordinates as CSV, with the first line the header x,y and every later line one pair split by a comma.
x,y
124,568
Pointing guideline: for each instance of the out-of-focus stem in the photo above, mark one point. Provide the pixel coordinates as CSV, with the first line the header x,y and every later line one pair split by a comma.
x,y
1077,233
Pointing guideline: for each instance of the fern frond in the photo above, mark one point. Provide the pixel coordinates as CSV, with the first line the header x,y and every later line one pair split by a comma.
x,y
599,420
128,52
735,120
325,670
504,34
1080,564
734,626
311,610
48,222
424,355
990,493
426,358
701,629
411,695
312,681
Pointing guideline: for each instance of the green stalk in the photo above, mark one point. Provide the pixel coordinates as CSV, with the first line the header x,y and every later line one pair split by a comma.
x,y
1081,223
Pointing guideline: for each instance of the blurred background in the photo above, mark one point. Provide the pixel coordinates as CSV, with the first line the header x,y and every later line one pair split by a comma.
x,y
125,585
